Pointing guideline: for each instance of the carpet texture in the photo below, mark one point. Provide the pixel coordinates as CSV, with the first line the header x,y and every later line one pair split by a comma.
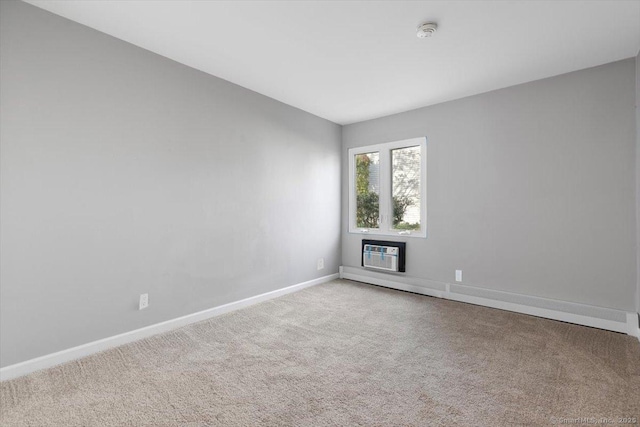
x,y
343,354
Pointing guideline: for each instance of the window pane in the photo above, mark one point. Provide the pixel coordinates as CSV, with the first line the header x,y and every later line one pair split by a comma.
x,y
405,170
367,190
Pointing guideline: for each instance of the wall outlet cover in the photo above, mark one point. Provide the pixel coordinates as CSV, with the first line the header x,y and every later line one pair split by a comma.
x,y
320,263
458,275
144,301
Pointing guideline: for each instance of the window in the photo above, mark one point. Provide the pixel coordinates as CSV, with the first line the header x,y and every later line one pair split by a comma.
x,y
387,185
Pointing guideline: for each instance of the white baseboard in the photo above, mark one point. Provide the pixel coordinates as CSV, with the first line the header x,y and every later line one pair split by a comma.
x,y
387,282
610,319
633,319
634,328
50,360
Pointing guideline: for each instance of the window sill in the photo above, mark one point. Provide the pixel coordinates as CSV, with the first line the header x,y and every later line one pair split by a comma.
x,y
422,235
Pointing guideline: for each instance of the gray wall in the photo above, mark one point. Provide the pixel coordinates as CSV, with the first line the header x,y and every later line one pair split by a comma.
x,y
123,172
530,188
638,180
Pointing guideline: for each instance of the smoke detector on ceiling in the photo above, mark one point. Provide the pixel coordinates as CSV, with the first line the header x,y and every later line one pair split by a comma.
x,y
427,29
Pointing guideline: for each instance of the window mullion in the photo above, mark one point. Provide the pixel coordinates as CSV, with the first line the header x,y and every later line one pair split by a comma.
x,y
385,190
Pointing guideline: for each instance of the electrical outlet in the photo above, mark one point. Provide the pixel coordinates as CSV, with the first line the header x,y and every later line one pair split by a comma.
x,y
144,301
458,275
320,263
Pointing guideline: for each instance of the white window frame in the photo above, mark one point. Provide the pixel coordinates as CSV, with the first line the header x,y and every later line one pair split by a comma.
x,y
386,204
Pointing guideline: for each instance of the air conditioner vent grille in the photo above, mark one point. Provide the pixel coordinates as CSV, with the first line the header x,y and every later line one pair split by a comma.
x,y
380,257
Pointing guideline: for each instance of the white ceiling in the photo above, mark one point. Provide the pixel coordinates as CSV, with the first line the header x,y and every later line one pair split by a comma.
x,y
349,61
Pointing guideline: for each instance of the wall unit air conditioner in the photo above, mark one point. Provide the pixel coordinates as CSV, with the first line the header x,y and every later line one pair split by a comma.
x,y
383,255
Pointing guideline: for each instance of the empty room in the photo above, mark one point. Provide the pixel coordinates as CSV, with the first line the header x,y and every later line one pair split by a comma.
x,y
319,213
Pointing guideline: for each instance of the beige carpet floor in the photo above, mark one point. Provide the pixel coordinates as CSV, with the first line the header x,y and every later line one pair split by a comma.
x,y
343,354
